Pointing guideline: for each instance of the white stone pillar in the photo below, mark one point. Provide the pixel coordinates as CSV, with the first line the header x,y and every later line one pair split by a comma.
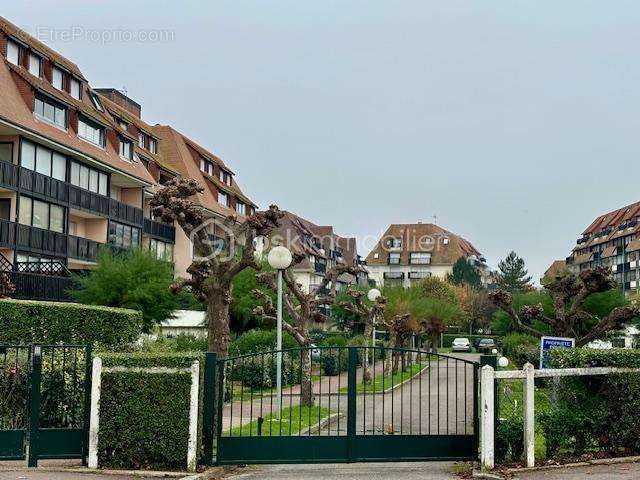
x,y
192,450
529,415
487,420
94,419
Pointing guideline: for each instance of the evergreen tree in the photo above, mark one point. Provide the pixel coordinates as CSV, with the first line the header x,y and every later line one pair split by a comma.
x,y
513,277
464,273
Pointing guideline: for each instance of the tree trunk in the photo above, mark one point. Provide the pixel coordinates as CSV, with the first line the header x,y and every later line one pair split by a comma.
x,y
306,386
390,360
219,335
369,353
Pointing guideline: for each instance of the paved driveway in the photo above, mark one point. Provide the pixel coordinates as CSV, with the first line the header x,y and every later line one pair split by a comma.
x,y
621,471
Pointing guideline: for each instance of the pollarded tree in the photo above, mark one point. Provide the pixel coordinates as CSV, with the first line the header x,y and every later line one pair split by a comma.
x,y
366,313
513,276
571,318
303,309
212,271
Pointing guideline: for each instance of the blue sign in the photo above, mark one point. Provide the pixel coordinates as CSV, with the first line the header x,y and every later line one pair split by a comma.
x,y
547,343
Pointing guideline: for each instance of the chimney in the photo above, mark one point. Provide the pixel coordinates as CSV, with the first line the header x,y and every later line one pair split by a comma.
x,y
119,98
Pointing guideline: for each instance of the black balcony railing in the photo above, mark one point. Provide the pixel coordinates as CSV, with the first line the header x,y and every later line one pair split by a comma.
x,y
320,267
160,230
121,212
82,248
43,185
33,286
86,200
8,175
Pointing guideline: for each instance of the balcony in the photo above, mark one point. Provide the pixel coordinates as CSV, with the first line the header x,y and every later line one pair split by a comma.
x,y
159,230
39,240
44,185
82,248
34,286
86,200
320,267
121,212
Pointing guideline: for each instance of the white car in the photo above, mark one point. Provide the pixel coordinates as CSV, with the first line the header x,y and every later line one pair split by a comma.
x,y
461,345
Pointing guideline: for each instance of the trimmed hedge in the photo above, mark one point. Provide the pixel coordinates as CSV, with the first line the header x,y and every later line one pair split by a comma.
x,y
29,321
597,413
144,418
447,338
522,348
255,341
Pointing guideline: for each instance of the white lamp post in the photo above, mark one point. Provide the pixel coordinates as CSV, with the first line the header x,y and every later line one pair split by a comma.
x,y
372,295
279,258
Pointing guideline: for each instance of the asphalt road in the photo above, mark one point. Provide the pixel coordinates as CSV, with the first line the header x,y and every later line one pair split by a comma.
x,y
621,471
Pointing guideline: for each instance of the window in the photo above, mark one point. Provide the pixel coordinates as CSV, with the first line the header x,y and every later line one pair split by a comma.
x,y
14,51
394,258
6,152
153,145
142,139
41,214
420,258
126,150
241,208
51,112
91,132
224,199
123,125
225,177
395,242
163,250
89,178
123,236
96,101
74,88
43,160
35,64
57,78
5,209
206,166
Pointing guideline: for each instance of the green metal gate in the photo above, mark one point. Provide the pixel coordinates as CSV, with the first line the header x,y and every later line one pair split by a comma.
x,y
407,405
44,401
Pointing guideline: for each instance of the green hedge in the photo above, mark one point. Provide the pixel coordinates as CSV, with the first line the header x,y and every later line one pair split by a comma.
x,y
597,413
255,341
28,321
447,338
144,417
522,348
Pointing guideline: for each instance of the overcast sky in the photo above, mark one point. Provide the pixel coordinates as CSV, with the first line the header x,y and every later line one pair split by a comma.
x,y
514,122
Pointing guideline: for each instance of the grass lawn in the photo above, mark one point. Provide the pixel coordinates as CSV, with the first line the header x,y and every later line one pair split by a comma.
x,y
385,382
294,420
510,394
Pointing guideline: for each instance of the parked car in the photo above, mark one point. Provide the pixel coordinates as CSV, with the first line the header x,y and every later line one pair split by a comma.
x,y
485,345
461,345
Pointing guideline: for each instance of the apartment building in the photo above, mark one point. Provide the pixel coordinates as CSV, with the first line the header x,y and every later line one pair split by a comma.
x,y
612,241
78,167
407,253
321,249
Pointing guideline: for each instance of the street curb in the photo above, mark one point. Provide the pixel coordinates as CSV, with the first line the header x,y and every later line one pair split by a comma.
x,y
586,463
321,424
492,476
213,472
97,471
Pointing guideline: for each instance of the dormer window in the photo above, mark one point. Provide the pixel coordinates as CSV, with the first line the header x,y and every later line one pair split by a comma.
x,y
57,78
35,64
206,166
50,111
224,199
225,177
241,208
96,101
142,139
126,149
153,145
14,51
74,88
90,131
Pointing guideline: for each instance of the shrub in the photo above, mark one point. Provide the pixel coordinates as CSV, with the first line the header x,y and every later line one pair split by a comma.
x,y
598,412
255,341
181,343
259,371
144,417
334,360
28,321
509,438
521,348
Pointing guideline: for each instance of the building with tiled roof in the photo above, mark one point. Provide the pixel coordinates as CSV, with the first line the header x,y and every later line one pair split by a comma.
x,y
612,240
407,253
78,166
557,269
321,249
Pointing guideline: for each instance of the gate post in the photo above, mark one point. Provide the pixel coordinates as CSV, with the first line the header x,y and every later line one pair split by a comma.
x,y
351,403
34,417
88,352
487,380
210,367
